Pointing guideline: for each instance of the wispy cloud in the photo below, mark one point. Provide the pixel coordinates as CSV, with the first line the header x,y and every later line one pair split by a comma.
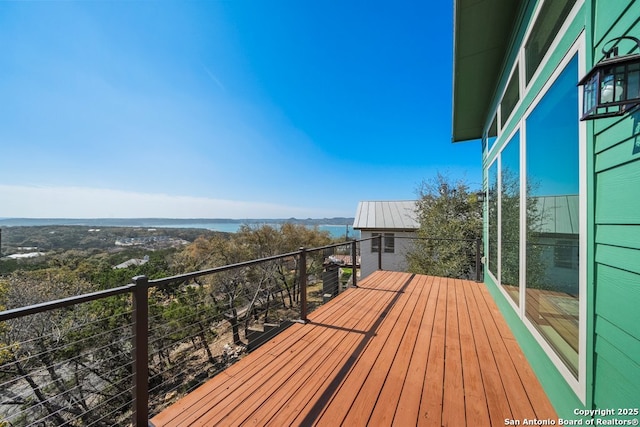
x,y
81,202
214,78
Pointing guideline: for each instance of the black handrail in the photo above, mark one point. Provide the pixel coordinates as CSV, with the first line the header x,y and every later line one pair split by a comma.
x,y
64,302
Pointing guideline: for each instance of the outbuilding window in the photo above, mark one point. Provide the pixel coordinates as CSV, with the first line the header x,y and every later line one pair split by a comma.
x,y
388,242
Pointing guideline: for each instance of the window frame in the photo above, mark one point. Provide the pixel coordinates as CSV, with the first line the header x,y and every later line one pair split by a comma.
x,y
375,247
524,84
577,384
552,47
513,83
389,243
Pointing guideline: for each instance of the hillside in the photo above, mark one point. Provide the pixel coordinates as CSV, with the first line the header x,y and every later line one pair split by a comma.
x,y
58,238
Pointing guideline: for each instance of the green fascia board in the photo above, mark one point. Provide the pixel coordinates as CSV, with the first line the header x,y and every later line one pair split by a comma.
x,y
482,34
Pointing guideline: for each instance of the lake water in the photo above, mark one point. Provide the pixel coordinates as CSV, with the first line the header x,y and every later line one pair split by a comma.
x,y
334,230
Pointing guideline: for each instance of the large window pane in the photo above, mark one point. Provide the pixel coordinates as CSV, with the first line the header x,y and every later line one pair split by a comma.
x,y
492,214
492,134
551,17
552,261
511,96
510,218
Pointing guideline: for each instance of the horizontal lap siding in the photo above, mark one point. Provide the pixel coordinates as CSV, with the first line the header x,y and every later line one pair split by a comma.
x,y
616,374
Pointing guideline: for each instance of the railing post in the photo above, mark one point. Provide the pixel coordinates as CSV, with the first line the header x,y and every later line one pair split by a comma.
x,y
303,285
354,258
141,352
478,268
379,252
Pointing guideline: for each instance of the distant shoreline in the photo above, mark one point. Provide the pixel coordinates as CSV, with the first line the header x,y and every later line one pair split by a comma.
x,y
167,222
335,226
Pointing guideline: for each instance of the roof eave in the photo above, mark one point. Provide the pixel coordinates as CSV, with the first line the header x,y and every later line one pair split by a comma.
x,y
482,34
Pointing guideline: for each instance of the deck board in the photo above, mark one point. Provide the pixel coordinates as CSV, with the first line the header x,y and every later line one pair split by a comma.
x,y
408,410
475,405
400,349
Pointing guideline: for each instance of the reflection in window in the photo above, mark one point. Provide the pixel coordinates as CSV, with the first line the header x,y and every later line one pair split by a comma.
x,y
492,134
511,96
565,254
552,273
510,218
550,19
492,207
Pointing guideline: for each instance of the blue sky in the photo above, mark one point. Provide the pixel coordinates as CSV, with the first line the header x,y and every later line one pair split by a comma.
x,y
242,109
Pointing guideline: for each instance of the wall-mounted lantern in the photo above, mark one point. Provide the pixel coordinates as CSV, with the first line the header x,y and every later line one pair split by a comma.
x,y
612,87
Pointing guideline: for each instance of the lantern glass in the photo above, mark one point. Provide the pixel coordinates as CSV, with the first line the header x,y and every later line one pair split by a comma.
x,y
590,100
633,81
612,85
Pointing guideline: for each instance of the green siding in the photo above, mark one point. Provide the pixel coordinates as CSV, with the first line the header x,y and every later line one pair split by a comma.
x,y
622,258
619,303
613,228
630,344
617,190
617,375
627,236
610,158
616,174
611,132
612,18
614,390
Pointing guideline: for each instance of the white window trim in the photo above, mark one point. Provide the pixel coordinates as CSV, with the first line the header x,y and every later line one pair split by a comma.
x,y
512,114
554,44
518,308
521,59
578,385
488,251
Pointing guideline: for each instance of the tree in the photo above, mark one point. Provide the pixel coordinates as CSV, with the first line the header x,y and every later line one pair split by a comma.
x,y
54,355
510,232
227,289
450,218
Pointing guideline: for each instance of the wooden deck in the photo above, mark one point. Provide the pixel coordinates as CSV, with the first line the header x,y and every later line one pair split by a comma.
x,y
399,350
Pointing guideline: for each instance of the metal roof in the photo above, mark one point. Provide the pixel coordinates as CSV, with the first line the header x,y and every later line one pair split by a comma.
x,y
481,36
386,215
558,214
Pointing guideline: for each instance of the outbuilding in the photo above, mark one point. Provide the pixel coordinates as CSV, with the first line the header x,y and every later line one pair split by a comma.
x,y
396,222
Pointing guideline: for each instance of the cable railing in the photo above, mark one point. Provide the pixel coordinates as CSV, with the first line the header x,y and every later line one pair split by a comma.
x,y
119,356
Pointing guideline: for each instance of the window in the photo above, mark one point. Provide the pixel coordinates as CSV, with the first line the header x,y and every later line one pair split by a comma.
x,y
492,134
552,173
510,218
547,25
565,254
492,214
388,242
511,97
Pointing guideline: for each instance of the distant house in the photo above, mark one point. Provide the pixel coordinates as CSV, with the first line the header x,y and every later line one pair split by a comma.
x,y
396,222
132,262
558,236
